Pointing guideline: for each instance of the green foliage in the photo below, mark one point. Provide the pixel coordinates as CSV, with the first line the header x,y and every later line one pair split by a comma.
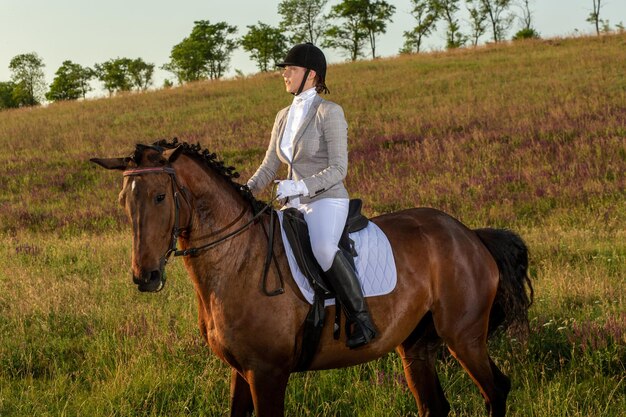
x,y
361,20
447,9
478,18
349,35
529,33
527,16
500,22
71,82
303,18
6,95
376,14
594,16
265,44
28,78
425,14
124,74
140,73
205,53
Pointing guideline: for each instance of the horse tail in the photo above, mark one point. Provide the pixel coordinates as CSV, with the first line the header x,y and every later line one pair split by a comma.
x,y
515,291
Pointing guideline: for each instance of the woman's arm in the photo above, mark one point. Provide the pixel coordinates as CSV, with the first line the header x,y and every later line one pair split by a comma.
x,y
270,165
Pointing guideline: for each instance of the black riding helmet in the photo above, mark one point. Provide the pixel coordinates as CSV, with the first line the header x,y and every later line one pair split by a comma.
x,y
308,56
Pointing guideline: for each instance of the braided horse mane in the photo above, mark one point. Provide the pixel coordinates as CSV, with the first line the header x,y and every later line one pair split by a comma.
x,y
210,160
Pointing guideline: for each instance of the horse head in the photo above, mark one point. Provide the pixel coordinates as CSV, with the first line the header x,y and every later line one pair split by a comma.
x,y
150,196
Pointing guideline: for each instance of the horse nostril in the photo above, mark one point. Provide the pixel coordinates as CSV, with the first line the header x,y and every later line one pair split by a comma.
x,y
152,281
146,277
154,275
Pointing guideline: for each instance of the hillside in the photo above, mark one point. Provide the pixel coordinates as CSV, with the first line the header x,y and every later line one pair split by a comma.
x,y
529,136
497,135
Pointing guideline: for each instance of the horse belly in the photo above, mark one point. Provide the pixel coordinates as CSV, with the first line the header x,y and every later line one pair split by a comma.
x,y
395,316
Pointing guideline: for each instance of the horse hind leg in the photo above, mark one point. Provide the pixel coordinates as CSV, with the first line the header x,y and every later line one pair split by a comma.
x,y
418,353
503,383
493,384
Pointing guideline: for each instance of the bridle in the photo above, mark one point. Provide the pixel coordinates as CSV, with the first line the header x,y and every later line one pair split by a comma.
x,y
178,191
176,230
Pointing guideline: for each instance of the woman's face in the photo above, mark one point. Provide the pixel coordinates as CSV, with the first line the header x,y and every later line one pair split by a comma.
x,y
292,76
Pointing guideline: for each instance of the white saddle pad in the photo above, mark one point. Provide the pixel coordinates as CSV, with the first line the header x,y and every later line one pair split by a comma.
x,y
375,265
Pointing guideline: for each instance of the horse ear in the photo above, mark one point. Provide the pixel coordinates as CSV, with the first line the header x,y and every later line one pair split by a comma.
x,y
171,154
112,163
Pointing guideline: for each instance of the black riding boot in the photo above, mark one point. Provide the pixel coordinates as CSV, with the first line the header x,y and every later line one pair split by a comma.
x,y
342,277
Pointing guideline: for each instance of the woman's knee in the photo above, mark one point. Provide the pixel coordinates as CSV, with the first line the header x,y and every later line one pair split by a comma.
x,y
325,255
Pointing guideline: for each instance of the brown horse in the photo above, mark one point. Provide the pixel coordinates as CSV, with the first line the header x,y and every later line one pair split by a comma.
x,y
454,284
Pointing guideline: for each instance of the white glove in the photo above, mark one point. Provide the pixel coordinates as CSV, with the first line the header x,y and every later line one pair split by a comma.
x,y
290,188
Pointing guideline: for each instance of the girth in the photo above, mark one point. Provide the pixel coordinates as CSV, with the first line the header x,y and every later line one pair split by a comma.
x,y
297,233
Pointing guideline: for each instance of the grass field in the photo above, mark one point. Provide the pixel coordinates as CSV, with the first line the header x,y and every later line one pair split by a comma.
x,y
529,136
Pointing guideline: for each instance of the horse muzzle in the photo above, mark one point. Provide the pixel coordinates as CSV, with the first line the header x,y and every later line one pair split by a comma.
x,y
150,281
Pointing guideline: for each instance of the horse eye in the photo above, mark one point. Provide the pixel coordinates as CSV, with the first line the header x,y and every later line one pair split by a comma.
x,y
160,198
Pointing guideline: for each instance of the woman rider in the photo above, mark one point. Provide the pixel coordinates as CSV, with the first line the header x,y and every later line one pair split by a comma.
x,y
310,136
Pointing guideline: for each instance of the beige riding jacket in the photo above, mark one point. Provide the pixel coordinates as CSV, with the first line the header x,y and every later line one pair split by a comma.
x,y
320,152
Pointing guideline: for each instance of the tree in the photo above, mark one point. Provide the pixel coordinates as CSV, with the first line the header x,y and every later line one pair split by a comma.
x,y
124,74
6,95
265,44
71,82
28,77
350,34
425,14
495,10
303,18
187,62
606,26
527,15
594,16
478,19
376,14
448,9
114,75
140,73
527,31
222,48
205,53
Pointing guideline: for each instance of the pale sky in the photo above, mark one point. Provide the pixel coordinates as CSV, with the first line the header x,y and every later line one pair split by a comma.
x,y
89,32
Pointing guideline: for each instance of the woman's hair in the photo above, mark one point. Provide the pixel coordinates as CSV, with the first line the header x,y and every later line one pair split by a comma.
x,y
320,85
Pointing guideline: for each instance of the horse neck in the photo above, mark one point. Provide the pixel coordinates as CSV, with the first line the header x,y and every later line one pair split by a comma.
x,y
216,204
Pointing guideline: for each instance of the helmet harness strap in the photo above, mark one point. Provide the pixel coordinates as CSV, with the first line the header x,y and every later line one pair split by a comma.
x,y
306,75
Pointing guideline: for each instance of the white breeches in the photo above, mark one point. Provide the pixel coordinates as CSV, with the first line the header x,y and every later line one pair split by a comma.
x,y
326,219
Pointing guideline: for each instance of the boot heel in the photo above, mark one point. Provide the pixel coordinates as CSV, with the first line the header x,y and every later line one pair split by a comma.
x,y
344,281
362,336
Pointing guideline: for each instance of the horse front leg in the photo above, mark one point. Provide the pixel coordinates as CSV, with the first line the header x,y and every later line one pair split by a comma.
x,y
241,404
268,392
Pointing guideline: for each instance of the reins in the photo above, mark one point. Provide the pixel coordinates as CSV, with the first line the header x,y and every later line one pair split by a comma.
x,y
194,251
269,257
176,230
